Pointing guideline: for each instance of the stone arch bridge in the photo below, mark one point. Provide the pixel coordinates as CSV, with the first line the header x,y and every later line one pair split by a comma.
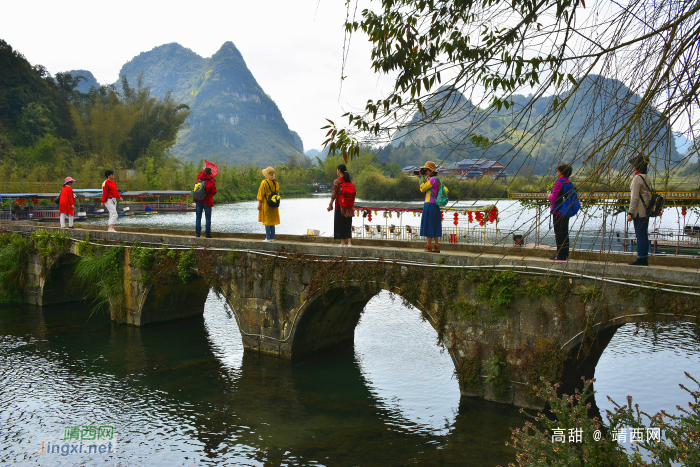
x,y
491,307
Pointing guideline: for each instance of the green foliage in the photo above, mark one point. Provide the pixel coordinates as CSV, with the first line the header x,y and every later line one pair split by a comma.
x,y
466,311
142,258
681,433
534,445
243,124
679,443
50,244
55,129
469,369
231,257
499,288
591,294
372,185
14,251
498,372
437,52
99,273
31,103
535,288
185,264
545,363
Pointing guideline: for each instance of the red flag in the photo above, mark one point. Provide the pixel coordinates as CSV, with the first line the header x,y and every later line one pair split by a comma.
x,y
214,168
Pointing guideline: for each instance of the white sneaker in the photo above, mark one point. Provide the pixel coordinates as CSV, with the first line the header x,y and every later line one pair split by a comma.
x,y
348,246
268,240
112,230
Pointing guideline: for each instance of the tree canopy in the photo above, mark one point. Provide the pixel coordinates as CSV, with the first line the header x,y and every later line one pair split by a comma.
x,y
490,50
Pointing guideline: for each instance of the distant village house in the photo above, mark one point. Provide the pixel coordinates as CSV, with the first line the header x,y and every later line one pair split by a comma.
x,y
468,169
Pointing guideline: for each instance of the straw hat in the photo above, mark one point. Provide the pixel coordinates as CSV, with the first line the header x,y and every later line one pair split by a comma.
x,y
430,165
269,173
68,179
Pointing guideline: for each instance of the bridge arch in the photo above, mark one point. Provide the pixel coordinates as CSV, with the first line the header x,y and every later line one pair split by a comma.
x,y
54,284
328,318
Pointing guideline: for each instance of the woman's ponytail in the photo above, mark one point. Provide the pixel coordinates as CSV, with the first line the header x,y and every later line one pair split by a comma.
x,y
344,170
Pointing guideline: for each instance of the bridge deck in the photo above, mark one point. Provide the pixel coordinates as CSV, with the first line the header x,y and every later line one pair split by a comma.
x,y
672,270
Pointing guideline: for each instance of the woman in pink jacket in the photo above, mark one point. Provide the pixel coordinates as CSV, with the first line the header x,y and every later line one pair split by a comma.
x,y
560,221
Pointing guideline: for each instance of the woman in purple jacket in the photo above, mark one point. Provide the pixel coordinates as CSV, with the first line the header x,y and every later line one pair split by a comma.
x,y
561,222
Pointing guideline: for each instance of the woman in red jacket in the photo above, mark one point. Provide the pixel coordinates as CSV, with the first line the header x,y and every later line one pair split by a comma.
x,y
66,203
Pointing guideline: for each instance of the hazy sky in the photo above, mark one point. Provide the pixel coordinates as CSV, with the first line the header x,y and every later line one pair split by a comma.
x,y
292,47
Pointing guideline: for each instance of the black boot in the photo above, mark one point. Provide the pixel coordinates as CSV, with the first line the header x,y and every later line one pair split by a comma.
x,y
640,262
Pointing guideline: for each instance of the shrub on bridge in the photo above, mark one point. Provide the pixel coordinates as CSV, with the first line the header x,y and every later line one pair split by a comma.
x,y
50,245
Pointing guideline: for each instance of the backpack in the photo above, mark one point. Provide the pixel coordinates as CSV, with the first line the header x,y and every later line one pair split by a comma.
x,y
656,203
441,199
569,204
199,192
347,195
274,199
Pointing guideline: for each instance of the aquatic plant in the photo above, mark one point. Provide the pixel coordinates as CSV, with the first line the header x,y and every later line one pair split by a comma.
x,y
186,264
14,251
100,274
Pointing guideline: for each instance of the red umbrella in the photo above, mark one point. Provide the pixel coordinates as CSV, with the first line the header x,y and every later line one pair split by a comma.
x,y
214,168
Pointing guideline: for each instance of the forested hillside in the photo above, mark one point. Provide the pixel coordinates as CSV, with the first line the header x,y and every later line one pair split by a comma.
x,y
232,118
84,85
591,113
49,129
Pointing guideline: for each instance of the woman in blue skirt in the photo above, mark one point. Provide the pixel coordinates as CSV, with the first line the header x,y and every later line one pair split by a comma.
x,y
430,222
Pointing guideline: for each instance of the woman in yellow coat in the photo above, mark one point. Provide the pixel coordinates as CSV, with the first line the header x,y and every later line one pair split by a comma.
x,y
269,216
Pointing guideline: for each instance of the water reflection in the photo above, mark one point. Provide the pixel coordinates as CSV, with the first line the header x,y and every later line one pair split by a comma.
x,y
185,393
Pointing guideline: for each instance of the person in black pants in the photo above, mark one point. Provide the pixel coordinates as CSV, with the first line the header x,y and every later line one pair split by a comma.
x,y
561,222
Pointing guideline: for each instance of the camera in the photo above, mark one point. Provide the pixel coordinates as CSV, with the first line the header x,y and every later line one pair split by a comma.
x,y
416,173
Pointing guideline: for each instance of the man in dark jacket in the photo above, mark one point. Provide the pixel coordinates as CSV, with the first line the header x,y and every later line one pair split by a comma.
x,y
207,203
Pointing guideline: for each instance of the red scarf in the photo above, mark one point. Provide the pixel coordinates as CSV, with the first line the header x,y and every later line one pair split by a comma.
x,y
637,173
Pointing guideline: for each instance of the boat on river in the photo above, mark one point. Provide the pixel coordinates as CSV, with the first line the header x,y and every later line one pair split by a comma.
x,y
28,206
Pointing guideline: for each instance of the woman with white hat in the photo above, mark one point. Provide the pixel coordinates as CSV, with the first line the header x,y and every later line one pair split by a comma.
x,y
66,203
268,195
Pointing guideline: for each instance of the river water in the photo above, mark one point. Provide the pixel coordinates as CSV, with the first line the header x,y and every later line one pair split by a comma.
x,y
186,394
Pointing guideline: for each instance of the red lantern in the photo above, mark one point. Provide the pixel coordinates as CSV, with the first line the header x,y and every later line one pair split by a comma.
x,y
35,201
470,215
442,216
369,216
456,221
684,211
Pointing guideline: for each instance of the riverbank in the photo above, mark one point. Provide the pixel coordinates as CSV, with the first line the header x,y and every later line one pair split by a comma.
x,y
246,193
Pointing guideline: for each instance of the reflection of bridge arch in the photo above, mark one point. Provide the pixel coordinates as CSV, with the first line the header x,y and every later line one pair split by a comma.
x,y
584,349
